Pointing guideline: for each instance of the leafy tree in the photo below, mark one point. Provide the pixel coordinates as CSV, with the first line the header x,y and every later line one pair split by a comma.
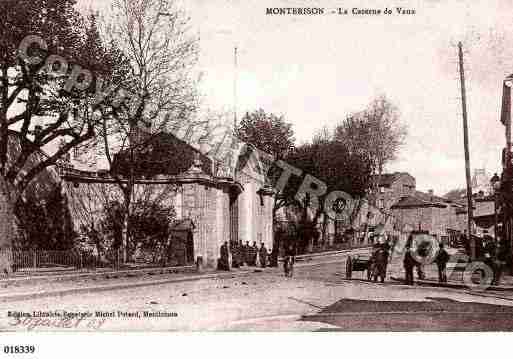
x,y
267,132
332,163
150,220
45,221
33,99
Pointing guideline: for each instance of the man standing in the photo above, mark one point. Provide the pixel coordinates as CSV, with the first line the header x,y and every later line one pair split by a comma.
x,y
246,252
441,262
409,262
380,261
223,263
254,254
263,255
242,254
235,254
289,259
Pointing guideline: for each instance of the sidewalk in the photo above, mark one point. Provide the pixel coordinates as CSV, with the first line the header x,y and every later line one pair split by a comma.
x,y
16,289
457,284
16,293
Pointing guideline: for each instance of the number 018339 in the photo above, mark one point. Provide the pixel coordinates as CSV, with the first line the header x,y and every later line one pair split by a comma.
x,y
19,349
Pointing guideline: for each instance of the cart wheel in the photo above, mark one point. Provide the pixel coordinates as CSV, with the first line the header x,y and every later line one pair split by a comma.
x,y
349,267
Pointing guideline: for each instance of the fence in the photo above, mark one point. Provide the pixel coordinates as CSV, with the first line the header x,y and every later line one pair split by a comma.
x,y
43,260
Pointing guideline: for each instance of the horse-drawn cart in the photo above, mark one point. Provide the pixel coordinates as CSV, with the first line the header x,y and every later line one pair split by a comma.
x,y
358,263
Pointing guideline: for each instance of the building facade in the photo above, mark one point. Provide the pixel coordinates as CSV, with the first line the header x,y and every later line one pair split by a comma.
x,y
222,202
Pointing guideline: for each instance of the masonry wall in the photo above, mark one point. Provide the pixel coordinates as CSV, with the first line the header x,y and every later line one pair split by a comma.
x,y
435,220
403,186
419,218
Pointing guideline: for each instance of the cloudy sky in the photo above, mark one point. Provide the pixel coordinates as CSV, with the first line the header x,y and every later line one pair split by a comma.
x,y
314,70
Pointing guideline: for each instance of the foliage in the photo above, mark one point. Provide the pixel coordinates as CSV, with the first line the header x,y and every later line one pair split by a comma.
x,y
150,222
45,222
267,132
32,94
332,163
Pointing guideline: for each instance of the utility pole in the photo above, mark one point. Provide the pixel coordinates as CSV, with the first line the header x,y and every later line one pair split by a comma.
x,y
235,90
467,156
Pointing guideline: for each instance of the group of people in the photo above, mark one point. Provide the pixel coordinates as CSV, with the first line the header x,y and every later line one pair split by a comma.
x,y
492,258
410,262
380,256
237,254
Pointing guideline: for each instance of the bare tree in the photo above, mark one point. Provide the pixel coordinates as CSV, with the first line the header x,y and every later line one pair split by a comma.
x,y
375,132
155,38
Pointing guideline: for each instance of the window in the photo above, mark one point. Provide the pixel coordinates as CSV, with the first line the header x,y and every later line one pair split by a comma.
x,y
381,189
381,203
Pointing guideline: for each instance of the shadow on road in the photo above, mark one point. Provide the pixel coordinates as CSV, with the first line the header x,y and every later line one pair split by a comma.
x,y
434,314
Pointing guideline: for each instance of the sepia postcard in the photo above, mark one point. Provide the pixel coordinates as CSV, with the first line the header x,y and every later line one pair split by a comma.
x,y
250,166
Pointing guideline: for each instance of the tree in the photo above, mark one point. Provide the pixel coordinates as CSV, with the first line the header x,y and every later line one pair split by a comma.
x,y
154,37
151,218
332,163
35,99
45,220
375,132
267,132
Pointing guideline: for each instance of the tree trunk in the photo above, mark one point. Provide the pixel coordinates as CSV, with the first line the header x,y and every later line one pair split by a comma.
x,y
125,233
7,226
324,228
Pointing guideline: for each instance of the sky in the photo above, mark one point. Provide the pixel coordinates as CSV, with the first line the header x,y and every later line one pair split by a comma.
x,y
314,70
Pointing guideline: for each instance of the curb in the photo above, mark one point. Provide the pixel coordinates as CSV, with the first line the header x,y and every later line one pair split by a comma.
x,y
102,288
125,272
331,253
433,283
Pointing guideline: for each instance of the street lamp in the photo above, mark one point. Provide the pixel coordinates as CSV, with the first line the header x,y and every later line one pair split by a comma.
x,y
495,181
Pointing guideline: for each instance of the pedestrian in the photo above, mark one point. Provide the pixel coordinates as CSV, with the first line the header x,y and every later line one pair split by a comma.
x,y
380,269
242,254
409,262
500,262
263,255
235,254
247,257
441,262
273,258
254,254
223,262
288,260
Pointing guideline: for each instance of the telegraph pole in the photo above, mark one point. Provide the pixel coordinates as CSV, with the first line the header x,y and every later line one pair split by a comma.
x,y
235,90
467,156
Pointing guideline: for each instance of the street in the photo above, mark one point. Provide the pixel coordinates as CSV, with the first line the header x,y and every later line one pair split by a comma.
x,y
317,298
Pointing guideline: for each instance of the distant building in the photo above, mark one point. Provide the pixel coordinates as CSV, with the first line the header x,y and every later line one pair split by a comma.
x,y
391,187
427,212
481,181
